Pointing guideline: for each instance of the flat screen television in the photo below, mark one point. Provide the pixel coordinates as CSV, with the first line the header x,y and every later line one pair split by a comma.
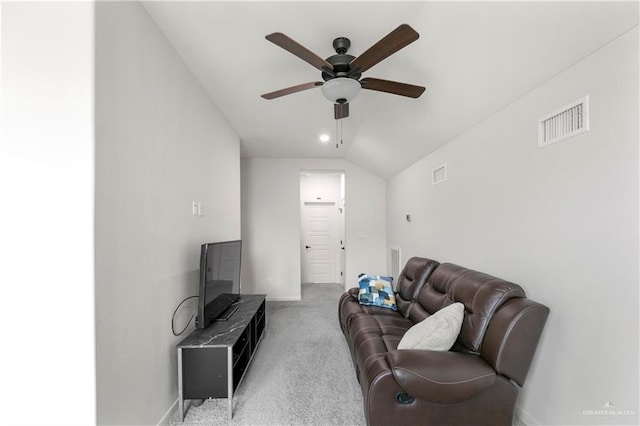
x,y
219,285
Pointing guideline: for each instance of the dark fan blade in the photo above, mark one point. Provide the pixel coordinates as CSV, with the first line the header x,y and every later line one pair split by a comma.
x,y
390,44
292,89
340,111
402,89
299,50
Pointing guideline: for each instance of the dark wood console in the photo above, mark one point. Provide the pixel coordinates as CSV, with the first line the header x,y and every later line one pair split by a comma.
x,y
212,361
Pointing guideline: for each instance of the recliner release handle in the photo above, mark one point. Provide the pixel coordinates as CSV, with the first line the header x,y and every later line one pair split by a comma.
x,y
404,398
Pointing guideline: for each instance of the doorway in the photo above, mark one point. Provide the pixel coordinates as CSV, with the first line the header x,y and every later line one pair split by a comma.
x,y
322,233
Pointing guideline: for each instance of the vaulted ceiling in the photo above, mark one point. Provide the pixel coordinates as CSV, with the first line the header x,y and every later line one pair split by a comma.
x,y
473,57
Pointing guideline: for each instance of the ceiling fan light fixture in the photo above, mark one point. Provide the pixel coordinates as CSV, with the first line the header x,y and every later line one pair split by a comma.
x,y
340,88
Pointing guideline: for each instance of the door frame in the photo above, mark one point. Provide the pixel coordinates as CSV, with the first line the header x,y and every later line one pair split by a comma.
x,y
340,221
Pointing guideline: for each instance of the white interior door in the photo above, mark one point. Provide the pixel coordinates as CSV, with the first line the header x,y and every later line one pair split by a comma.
x,y
319,242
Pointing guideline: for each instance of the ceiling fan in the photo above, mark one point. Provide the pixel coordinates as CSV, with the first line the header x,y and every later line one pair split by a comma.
x,y
341,72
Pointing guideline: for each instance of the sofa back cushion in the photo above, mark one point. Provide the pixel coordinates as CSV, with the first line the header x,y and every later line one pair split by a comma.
x,y
481,294
413,276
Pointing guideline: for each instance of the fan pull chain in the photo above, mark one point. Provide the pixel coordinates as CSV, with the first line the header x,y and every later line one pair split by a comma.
x,y
339,132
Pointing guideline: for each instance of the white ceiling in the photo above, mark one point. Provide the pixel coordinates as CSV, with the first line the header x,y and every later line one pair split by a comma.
x,y
474,58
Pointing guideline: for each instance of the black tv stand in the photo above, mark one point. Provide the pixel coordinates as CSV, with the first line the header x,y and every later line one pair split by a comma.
x,y
212,361
227,313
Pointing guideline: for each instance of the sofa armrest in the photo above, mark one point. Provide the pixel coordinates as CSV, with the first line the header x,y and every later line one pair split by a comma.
x,y
441,377
354,292
512,337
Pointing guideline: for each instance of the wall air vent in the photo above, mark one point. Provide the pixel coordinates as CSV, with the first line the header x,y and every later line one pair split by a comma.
x,y
439,174
564,123
395,263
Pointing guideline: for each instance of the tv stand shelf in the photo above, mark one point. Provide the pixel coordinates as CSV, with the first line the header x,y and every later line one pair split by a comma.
x,y
212,361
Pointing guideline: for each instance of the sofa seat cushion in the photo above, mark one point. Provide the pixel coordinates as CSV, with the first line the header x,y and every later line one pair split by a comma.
x,y
363,325
348,306
441,377
369,349
393,326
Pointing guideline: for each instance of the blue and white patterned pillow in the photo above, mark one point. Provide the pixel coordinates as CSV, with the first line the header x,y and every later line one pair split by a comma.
x,y
376,290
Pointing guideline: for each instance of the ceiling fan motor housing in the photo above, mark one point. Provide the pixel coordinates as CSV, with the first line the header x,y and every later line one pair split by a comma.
x,y
341,61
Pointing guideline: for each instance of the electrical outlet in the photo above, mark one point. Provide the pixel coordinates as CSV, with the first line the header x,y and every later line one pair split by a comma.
x,y
194,208
268,281
200,209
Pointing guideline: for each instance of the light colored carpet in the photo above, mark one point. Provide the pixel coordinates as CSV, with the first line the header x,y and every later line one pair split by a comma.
x,y
302,372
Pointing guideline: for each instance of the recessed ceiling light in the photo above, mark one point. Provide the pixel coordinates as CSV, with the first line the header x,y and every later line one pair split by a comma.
x,y
324,137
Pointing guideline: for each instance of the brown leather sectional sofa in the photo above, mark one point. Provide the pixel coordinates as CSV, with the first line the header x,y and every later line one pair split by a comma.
x,y
474,383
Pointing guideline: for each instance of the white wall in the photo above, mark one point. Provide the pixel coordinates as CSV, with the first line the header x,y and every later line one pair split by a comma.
x,y
46,227
320,187
271,223
160,144
562,221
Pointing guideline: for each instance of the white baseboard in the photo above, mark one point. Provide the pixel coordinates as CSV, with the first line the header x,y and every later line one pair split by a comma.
x,y
166,419
284,299
525,417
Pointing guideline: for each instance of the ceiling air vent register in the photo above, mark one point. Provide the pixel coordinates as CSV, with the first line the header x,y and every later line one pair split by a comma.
x,y
569,121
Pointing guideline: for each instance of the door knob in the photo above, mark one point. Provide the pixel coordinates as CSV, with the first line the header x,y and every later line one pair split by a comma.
x,y
307,247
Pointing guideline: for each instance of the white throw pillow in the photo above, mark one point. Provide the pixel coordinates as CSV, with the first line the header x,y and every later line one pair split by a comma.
x,y
437,332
